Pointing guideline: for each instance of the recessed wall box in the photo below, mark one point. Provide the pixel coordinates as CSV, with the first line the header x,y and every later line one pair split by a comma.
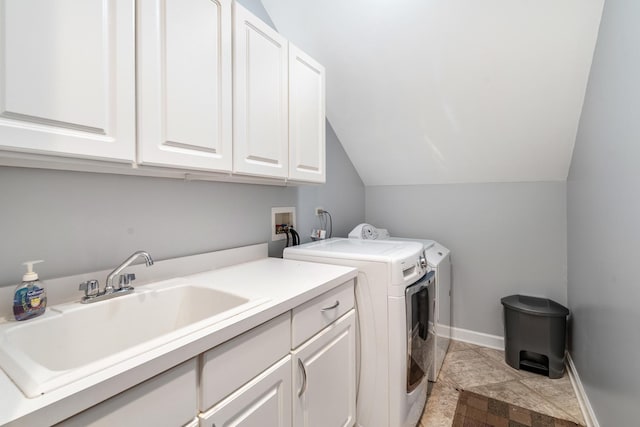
x,y
281,218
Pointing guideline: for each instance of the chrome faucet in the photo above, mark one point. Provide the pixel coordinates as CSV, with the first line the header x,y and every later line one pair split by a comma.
x,y
126,279
91,288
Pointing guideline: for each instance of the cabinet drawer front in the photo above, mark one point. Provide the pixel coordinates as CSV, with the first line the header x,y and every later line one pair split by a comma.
x,y
228,366
167,399
313,316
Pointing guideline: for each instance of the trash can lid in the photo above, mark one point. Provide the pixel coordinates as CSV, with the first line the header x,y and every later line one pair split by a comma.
x,y
535,306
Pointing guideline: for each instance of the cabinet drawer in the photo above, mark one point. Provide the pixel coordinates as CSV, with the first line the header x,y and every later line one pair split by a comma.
x,y
167,399
228,366
311,317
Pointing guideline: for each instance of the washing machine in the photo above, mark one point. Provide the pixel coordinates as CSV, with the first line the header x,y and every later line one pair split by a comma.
x,y
439,261
394,317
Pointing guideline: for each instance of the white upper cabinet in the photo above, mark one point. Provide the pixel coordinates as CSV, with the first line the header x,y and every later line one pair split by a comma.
x,y
216,89
67,81
184,84
260,98
306,117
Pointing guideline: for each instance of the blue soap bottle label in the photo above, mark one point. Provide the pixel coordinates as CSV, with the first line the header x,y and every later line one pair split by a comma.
x,y
29,301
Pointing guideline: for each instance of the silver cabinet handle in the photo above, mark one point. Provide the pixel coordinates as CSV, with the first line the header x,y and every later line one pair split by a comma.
x,y
332,307
304,378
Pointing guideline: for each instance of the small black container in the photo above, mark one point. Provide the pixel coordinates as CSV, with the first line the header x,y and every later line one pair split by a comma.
x,y
535,332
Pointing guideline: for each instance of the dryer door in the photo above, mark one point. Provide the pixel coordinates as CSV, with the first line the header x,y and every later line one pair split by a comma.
x,y
418,330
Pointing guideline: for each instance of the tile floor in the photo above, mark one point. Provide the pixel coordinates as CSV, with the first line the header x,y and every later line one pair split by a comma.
x,y
484,371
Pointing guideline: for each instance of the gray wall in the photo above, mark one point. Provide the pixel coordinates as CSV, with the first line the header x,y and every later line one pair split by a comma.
x,y
604,223
342,195
505,238
82,222
257,8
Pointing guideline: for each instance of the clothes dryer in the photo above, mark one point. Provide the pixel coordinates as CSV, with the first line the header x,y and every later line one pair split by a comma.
x,y
392,290
439,261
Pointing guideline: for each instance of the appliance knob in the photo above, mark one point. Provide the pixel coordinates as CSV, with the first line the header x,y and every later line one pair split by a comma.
x,y
423,262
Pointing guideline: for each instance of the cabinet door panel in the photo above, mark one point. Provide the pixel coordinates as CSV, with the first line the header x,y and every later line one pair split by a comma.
x,y
260,97
325,378
265,401
184,83
306,117
67,81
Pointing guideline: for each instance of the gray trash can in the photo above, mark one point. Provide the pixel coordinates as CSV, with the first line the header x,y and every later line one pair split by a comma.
x,y
535,334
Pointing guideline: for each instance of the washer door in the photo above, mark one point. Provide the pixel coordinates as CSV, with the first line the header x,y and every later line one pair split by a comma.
x,y
418,333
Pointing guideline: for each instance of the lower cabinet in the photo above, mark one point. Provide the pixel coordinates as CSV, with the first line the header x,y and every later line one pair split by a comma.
x,y
264,401
168,399
295,370
324,377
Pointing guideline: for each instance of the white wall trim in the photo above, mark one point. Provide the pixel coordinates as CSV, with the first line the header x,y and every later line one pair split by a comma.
x,y
478,338
583,400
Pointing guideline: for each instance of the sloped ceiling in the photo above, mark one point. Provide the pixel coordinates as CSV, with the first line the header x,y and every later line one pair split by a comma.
x,y
450,91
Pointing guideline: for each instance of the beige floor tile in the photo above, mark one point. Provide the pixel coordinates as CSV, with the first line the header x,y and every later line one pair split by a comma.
x,y
559,392
459,345
441,406
484,371
478,371
464,355
492,353
436,421
446,380
516,393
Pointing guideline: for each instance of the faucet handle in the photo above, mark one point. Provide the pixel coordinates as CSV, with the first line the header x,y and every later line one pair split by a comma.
x,y
126,279
91,288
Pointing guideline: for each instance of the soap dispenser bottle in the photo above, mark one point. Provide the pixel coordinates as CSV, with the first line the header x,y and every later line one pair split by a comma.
x,y
30,299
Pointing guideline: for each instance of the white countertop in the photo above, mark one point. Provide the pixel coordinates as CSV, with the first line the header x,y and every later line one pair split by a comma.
x,y
284,283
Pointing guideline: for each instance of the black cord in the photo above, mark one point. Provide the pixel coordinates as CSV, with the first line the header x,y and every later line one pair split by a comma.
x,y
330,223
294,236
286,232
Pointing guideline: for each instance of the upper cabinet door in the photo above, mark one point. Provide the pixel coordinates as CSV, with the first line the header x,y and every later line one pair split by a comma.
x,y
260,97
184,83
67,80
306,117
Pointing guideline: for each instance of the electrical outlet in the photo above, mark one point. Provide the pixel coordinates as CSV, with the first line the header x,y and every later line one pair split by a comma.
x,y
319,211
318,234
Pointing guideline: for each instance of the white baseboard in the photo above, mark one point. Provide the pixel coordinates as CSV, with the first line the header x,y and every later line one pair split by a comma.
x,y
583,400
478,338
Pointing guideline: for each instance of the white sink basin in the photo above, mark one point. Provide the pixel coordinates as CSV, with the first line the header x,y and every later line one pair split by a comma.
x,y
72,341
